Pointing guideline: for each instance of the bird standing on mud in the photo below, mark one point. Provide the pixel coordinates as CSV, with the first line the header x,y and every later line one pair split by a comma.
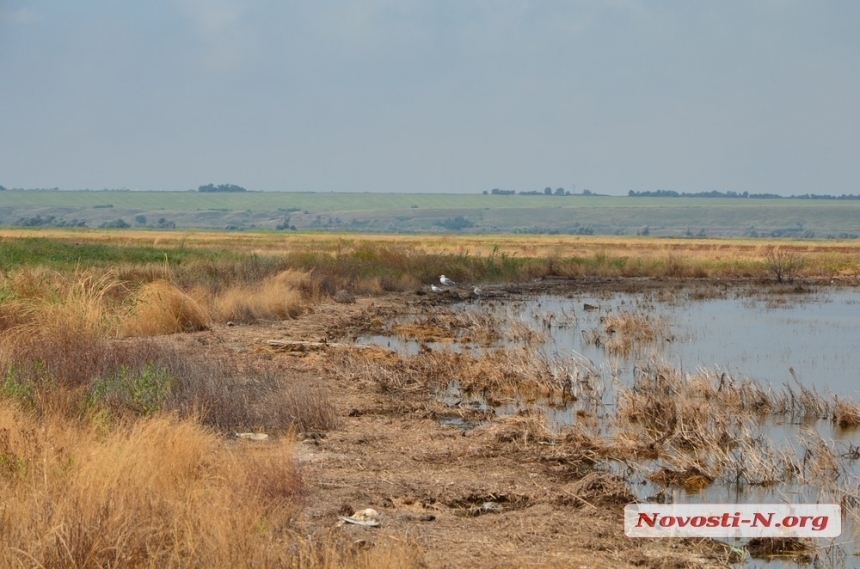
x,y
446,281
435,288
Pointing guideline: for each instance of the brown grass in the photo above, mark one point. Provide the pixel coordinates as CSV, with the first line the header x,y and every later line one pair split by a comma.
x,y
161,307
159,492
155,491
280,297
800,550
626,332
846,414
499,372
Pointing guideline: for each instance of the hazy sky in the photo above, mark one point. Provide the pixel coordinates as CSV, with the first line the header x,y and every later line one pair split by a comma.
x,y
432,96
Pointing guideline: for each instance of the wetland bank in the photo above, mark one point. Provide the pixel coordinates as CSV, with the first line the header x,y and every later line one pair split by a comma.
x,y
507,429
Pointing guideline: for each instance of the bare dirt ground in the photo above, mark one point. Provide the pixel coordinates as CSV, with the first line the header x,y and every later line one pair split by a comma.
x,y
465,498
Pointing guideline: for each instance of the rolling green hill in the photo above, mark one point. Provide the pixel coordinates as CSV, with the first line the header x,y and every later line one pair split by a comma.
x,y
409,213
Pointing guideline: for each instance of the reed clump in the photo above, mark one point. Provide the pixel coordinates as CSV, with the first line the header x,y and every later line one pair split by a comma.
x,y
703,428
846,414
625,332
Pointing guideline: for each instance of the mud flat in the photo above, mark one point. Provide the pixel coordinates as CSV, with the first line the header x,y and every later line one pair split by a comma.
x,y
480,477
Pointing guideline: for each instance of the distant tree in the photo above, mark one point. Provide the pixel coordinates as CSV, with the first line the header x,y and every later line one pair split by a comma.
x,y
547,190
118,223
221,188
455,223
559,191
140,219
2,188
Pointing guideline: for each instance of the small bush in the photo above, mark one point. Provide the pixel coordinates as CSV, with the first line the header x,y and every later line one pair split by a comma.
x,y
785,265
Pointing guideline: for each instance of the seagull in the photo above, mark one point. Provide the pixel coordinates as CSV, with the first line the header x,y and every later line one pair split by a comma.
x,y
446,281
476,291
435,288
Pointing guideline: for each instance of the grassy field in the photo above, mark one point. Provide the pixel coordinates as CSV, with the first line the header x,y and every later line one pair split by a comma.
x,y
439,213
376,263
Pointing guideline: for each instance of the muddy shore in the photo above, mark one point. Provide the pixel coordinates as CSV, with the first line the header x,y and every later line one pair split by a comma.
x,y
477,497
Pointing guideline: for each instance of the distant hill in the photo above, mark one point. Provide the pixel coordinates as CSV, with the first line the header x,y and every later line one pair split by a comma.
x,y
434,213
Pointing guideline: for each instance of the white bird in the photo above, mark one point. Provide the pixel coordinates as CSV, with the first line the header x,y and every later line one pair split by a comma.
x,y
446,281
477,291
435,288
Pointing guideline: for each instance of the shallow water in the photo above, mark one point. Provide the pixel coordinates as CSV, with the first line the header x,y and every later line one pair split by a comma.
x,y
816,334
778,340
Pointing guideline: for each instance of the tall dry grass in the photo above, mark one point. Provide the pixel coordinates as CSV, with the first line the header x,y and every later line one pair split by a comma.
x,y
63,352
108,449
282,296
160,307
156,492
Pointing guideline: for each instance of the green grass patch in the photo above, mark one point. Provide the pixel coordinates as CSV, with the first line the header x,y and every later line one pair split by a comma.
x,y
64,254
143,391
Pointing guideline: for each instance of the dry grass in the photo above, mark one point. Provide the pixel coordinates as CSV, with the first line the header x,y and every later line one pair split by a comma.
x,y
405,261
105,457
158,490
600,489
280,297
796,549
526,427
846,414
627,332
161,307
500,372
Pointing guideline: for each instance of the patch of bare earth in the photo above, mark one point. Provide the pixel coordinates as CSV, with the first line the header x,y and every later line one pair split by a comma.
x,y
467,498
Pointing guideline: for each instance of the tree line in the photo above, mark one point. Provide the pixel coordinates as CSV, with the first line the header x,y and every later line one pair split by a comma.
x,y
732,194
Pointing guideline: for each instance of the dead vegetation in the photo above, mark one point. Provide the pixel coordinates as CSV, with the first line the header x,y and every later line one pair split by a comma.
x,y
784,264
499,372
111,440
626,332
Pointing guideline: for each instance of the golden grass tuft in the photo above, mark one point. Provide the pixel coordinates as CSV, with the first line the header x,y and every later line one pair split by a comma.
x,y
82,300
161,307
279,297
846,414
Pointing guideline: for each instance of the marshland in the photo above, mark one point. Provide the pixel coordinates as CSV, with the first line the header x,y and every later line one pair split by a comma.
x,y
498,429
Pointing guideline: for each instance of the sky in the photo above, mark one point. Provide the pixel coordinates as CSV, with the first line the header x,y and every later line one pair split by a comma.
x,y
436,96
